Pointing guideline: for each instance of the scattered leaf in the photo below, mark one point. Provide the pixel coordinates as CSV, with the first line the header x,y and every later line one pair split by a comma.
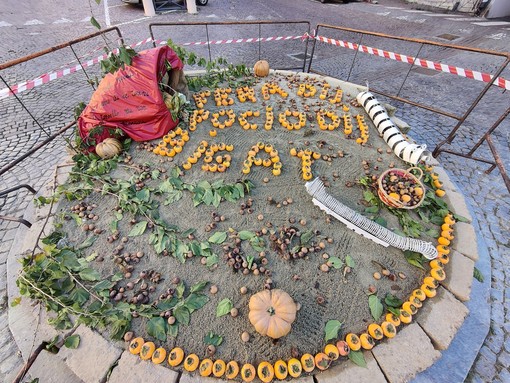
x,y
72,341
350,262
376,307
392,301
331,330
477,274
218,238
212,338
157,327
224,307
335,262
358,358
138,229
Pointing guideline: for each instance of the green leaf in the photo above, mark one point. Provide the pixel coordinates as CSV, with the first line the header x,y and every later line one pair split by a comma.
x,y
173,330
143,195
212,338
460,218
415,259
394,311
182,314
179,290
212,260
224,307
72,341
218,238
331,330
350,262
358,358
392,301
306,237
16,301
381,221
477,274
372,210
79,295
89,274
138,229
167,304
246,235
157,328
87,243
195,301
335,262
198,287
94,22
376,307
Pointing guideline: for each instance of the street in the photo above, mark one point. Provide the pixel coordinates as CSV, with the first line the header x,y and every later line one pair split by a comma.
x,y
30,26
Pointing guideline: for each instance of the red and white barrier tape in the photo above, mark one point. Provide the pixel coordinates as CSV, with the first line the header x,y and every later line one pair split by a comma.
x,y
475,75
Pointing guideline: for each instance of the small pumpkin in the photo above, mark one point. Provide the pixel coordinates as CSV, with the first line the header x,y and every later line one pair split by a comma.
x,y
265,371
332,352
219,367
136,345
176,356
248,372
159,355
272,312
108,148
147,350
308,362
280,369
389,329
191,362
353,341
232,370
206,367
294,367
343,348
322,361
261,68
375,331
367,342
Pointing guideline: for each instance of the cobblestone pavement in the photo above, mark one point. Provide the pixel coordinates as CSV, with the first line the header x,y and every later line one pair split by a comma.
x,y
31,26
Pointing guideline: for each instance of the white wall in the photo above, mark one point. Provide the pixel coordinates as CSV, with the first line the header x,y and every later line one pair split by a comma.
x,y
498,8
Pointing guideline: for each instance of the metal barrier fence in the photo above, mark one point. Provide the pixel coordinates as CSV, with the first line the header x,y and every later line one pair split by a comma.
x,y
34,115
344,53
282,41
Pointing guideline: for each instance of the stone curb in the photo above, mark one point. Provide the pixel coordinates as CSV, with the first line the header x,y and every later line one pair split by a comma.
x,y
390,361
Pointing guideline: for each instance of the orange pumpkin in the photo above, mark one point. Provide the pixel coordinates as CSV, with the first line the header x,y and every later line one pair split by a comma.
x,y
232,370
159,355
108,148
261,68
272,312
265,371
136,345
219,368
280,369
294,367
248,372
175,357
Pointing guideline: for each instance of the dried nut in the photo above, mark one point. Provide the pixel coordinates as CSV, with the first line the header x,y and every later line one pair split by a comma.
x,y
266,180
171,320
324,268
243,290
298,306
234,312
128,336
402,275
386,272
372,289
214,289
325,256
377,276
211,349
260,217
245,337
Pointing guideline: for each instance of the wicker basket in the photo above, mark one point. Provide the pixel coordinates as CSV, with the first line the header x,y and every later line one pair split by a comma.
x,y
404,175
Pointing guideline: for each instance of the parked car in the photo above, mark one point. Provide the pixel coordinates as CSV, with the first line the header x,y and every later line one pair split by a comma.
x,y
199,2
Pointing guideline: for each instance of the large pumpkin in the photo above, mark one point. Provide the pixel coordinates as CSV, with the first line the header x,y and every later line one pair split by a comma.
x,y
261,68
272,312
108,148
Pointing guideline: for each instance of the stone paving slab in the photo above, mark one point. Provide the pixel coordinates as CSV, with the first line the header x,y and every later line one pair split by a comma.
x,y
349,372
441,317
94,351
465,240
410,352
131,368
459,272
458,205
